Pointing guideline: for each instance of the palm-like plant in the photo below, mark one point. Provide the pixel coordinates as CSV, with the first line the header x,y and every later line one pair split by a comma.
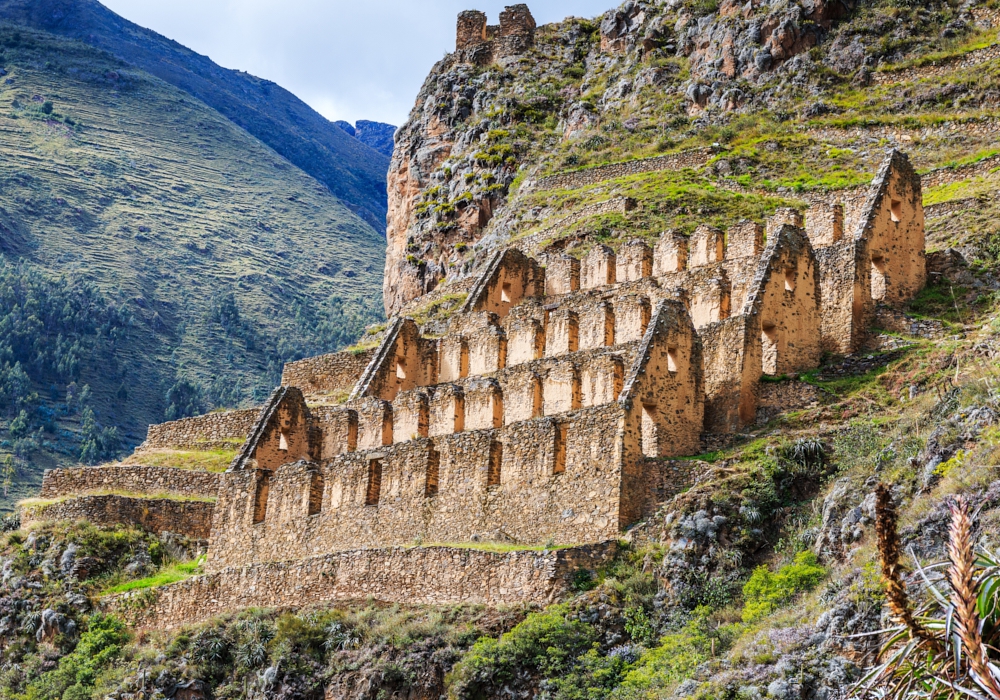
x,y
943,646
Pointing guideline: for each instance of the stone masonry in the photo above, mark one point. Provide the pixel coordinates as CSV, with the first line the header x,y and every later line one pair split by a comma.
x,y
542,411
481,43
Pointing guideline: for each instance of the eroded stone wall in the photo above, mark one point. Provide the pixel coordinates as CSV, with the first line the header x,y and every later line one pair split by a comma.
x,y
533,481
415,576
190,518
334,373
211,431
57,483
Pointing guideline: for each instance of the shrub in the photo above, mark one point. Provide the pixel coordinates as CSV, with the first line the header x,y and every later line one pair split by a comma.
x,y
75,676
765,591
544,644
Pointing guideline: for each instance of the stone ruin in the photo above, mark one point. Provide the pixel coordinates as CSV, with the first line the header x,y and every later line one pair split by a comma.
x,y
481,43
542,413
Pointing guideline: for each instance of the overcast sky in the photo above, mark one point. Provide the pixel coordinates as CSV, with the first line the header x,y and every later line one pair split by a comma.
x,y
349,59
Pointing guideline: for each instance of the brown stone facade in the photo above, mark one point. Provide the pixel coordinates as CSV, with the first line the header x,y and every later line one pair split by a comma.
x,y
411,576
330,374
544,411
478,42
190,518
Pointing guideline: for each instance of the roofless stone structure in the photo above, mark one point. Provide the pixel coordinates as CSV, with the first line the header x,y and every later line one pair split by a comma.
x,y
539,417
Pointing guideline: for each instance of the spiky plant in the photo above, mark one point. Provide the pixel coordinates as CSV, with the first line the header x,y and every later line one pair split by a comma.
x,y
942,647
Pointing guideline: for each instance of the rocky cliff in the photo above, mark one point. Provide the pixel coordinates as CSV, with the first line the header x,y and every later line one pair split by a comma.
x,y
646,78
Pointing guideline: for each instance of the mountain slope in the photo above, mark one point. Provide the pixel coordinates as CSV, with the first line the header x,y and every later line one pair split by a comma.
x,y
354,172
228,259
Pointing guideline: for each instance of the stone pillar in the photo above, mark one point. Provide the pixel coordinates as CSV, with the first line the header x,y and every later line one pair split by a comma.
x,y
471,29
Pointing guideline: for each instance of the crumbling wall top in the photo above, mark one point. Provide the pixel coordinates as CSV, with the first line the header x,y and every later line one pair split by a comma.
x,y
516,20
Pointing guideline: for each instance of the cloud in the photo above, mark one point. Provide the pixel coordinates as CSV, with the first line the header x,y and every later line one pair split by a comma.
x,y
348,59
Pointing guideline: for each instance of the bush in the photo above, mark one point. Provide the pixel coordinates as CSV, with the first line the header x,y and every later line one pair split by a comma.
x,y
765,591
545,644
76,675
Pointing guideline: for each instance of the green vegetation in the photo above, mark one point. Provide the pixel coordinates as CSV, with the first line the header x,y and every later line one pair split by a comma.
x,y
168,575
766,591
157,259
165,495
216,460
100,646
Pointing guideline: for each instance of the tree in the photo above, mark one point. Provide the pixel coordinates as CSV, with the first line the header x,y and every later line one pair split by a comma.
x,y
185,398
99,443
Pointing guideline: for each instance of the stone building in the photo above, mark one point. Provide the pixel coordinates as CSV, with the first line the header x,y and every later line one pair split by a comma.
x,y
541,412
482,43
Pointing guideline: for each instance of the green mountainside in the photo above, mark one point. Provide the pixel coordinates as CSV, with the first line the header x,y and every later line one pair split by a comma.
x,y
351,170
207,259
782,571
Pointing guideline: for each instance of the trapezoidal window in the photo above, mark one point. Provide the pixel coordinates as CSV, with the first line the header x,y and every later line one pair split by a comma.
x,y
896,210
260,497
433,473
559,458
672,360
400,369
506,293
878,278
650,431
496,461
463,360
315,493
609,327
769,343
790,279
374,491
283,442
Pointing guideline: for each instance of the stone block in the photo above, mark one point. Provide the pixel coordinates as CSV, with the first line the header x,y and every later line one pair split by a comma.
x,y
634,261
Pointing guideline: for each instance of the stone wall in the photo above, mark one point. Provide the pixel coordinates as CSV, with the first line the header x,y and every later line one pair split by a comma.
x,y
416,576
940,68
189,518
616,205
131,478
211,431
697,158
334,373
546,479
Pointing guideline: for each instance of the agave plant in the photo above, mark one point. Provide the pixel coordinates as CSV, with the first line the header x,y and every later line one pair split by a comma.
x,y
945,644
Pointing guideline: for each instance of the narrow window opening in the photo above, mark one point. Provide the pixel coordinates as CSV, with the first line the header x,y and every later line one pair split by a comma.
x,y
463,361
260,497
790,280
672,360
505,293
315,493
896,211
559,460
374,483
283,442
573,330
650,431
459,414
400,368
433,470
609,328
496,460
646,315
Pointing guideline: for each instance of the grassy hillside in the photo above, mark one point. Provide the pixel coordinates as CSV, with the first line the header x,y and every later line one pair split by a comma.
x,y
351,170
221,258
